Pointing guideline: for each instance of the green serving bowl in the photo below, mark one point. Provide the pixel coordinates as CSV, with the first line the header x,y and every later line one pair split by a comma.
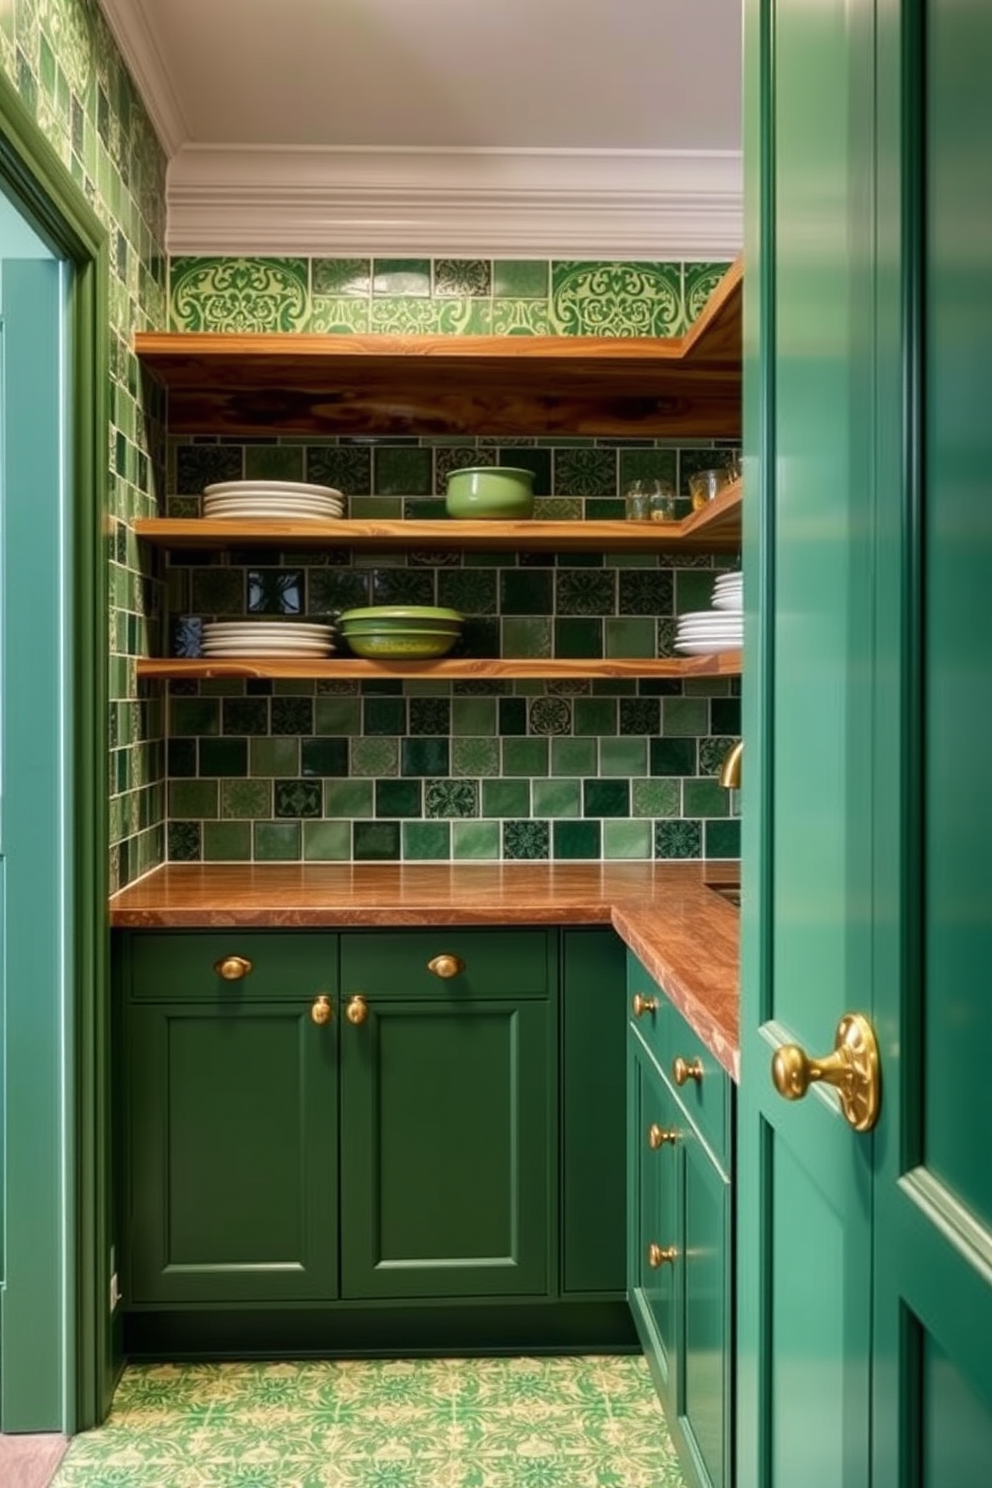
x,y
392,615
406,645
490,493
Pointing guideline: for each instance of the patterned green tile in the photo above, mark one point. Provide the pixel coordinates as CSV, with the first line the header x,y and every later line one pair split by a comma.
x,y
239,294
373,757
332,315
585,472
347,468
245,798
656,797
521,318
451,798
526,839
616,299
678,839
585,591
409,317
712,753
648,465
700,281
465,277
550,716
475,757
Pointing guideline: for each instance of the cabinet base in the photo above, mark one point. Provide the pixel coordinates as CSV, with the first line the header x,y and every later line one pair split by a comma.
x,y
458,1330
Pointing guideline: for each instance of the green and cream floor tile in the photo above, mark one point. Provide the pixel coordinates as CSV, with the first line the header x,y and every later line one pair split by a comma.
x,y
434,1423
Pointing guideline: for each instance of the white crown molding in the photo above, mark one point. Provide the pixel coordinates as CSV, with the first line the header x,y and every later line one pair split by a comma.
x,y
459,203
136,42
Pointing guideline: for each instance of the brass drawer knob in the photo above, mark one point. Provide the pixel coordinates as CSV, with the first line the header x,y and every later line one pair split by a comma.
x,y
661,1257
659,1135
644,1005
232,968
683,1070
321,1010
357,1010
446,965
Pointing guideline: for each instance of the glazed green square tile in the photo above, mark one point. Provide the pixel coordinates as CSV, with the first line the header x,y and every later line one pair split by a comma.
x,y
705,797
426,841
274,756
473,715
430,715
505,797
623,756
244,715
470,591
324,756
292,715
461,277
604,509
578,637
348,468
723,839
549,716
673,756
326,841
595,715
526,636
725,715
183,842
194,715
557,797
239,294
525,757
274,842
587,471
579,839
537,461
193,798
616,298
424,756
528,839
606,798
573,757
709,687
371,757
526,591
645,591
712,753
451,798
627,839
648,465
640,715
512,716
628,637
585,591
276,462
684,716
348,798
377,841
297,798
223,757
521,278
246,798
226,842
475,840
393,277
475,756
404,470
341,276
338,715
678,839
384,716
693,589
398,798
630,560
656,797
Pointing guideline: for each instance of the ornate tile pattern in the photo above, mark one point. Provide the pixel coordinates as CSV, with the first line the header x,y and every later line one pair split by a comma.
x,y
419,1423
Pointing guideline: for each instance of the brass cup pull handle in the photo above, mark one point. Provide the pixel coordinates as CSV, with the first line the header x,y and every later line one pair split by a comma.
x,y
642,1005
659,1135
659,1256
852,1069
232,968
321,1010
446,965
357,1010
683,1070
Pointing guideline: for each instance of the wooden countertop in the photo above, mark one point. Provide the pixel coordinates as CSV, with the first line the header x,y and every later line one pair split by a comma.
x,y
684,934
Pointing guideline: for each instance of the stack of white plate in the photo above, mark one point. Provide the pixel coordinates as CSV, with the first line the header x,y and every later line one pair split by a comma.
x,y
255,500
702,632
267,638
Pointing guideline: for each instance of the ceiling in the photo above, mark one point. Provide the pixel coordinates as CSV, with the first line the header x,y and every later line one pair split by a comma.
x,y
543,102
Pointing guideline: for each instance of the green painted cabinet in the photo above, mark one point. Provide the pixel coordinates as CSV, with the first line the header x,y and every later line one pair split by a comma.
x,y
680,1217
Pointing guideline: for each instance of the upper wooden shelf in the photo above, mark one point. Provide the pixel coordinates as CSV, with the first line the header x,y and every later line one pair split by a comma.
x,y
683,386
528,668
717,528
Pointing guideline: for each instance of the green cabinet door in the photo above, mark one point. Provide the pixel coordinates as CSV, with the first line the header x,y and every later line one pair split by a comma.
x,y
232,1153
446,1173
653,1217
704,1385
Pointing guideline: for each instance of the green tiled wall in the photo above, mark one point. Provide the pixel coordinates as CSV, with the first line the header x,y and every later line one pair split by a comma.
x,y
63,62
427,770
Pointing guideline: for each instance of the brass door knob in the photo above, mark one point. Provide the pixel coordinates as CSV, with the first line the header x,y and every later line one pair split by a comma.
x,y
642,1005
357,1010
321,1010
232,968
446,965
852,1069
683,1070
661,1257
659,1135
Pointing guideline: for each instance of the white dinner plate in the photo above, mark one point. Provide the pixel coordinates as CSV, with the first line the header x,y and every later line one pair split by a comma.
x,y
270,488
270,503
263,627
234,650
295,498
705,648
273,516
729,602
701,617
712,637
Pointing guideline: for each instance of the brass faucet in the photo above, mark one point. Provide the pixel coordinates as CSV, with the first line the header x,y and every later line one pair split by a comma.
x,y
730,770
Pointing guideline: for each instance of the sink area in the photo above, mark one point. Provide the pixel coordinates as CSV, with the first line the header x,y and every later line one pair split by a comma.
x,y
729,891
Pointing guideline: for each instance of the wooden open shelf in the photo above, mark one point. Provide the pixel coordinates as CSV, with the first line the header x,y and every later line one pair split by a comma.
x,y
677,387
715,529
721,664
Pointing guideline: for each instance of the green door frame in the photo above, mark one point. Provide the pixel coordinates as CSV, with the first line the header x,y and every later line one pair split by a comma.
x,y
37,181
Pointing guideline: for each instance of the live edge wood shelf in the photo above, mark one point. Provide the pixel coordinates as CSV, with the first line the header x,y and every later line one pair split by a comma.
x,y
506,668
677,387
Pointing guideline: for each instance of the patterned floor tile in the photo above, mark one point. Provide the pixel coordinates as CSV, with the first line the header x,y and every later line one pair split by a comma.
x,y
385,1423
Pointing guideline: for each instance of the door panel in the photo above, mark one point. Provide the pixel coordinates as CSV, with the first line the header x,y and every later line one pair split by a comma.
x,y
704,1390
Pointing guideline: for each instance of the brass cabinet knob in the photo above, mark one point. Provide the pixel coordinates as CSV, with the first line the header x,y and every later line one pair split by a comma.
x,y
321,1010
661,1257
852,1069
683,1070
232,968
446,965
659,1135
642,1005
357,1010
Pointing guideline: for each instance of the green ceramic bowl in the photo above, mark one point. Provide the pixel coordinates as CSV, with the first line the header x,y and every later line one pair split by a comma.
x,y
490,493
409,645
391,616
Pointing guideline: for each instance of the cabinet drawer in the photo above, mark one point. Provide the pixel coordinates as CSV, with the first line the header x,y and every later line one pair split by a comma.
x,y
704,1093
181,966
495,963
648,1009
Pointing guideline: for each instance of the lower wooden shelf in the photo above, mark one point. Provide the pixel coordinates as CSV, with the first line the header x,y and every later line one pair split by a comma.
x,y
337,668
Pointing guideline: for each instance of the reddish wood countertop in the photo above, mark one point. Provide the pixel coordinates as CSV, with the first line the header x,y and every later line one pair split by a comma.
x,y
685,935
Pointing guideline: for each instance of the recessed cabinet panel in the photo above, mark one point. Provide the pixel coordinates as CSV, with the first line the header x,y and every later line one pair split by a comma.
x,y
445,1179
654,1214
230,966
704,1393
454,963
232,1196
